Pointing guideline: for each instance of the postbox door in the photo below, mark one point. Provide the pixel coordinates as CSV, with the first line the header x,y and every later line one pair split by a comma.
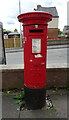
x,y
35,62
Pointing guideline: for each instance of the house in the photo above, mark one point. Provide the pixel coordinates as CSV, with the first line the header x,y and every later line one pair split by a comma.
x,y
14,35
5,33
52,25
66,31
5,36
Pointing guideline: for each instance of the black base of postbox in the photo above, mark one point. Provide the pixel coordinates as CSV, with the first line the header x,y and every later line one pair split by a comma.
x,y
35,98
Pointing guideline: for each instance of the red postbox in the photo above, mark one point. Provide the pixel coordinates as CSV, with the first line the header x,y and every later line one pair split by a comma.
x,y
35,49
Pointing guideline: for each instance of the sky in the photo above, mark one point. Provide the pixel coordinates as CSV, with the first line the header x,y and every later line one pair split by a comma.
x,y
9,10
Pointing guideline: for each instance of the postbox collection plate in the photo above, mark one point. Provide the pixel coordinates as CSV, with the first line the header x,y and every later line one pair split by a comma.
x,y
36,45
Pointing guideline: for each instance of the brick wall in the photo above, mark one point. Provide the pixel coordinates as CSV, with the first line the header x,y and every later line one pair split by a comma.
x,y
52,33
56,77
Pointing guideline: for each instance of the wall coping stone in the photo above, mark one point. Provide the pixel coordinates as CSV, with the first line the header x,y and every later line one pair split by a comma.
x,y
21,66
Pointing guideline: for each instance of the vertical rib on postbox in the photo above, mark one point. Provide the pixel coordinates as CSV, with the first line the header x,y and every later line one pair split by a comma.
x,y
35,50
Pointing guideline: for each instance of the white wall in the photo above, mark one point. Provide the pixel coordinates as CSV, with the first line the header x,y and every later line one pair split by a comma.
x,y
53,23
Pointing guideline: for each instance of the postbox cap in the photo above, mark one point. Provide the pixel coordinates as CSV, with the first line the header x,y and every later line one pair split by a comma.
x,y
34,18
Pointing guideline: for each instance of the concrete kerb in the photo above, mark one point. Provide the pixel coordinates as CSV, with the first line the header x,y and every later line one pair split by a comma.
x,y
21,66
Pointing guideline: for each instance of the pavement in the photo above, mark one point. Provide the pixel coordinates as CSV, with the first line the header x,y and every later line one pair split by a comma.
x,y
59,100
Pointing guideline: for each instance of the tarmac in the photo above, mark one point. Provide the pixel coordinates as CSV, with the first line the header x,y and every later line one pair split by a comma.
x,y
55,55
59,100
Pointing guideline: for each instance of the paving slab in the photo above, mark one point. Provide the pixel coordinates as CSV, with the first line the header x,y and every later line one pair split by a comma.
x,y
37,114
9,109
59,100
0,105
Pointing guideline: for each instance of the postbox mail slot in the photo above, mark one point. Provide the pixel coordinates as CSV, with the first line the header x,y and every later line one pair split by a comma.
x,y
36,31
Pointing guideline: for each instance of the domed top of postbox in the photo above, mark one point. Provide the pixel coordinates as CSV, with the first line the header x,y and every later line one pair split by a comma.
x,y
34,18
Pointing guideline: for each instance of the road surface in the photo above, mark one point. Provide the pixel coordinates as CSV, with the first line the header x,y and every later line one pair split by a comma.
x,y
53,56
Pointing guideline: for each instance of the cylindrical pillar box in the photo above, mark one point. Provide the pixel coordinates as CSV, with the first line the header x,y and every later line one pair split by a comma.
x,y
35,49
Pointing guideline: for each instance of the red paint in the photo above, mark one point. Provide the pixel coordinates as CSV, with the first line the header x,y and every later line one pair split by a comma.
x,y
35,68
